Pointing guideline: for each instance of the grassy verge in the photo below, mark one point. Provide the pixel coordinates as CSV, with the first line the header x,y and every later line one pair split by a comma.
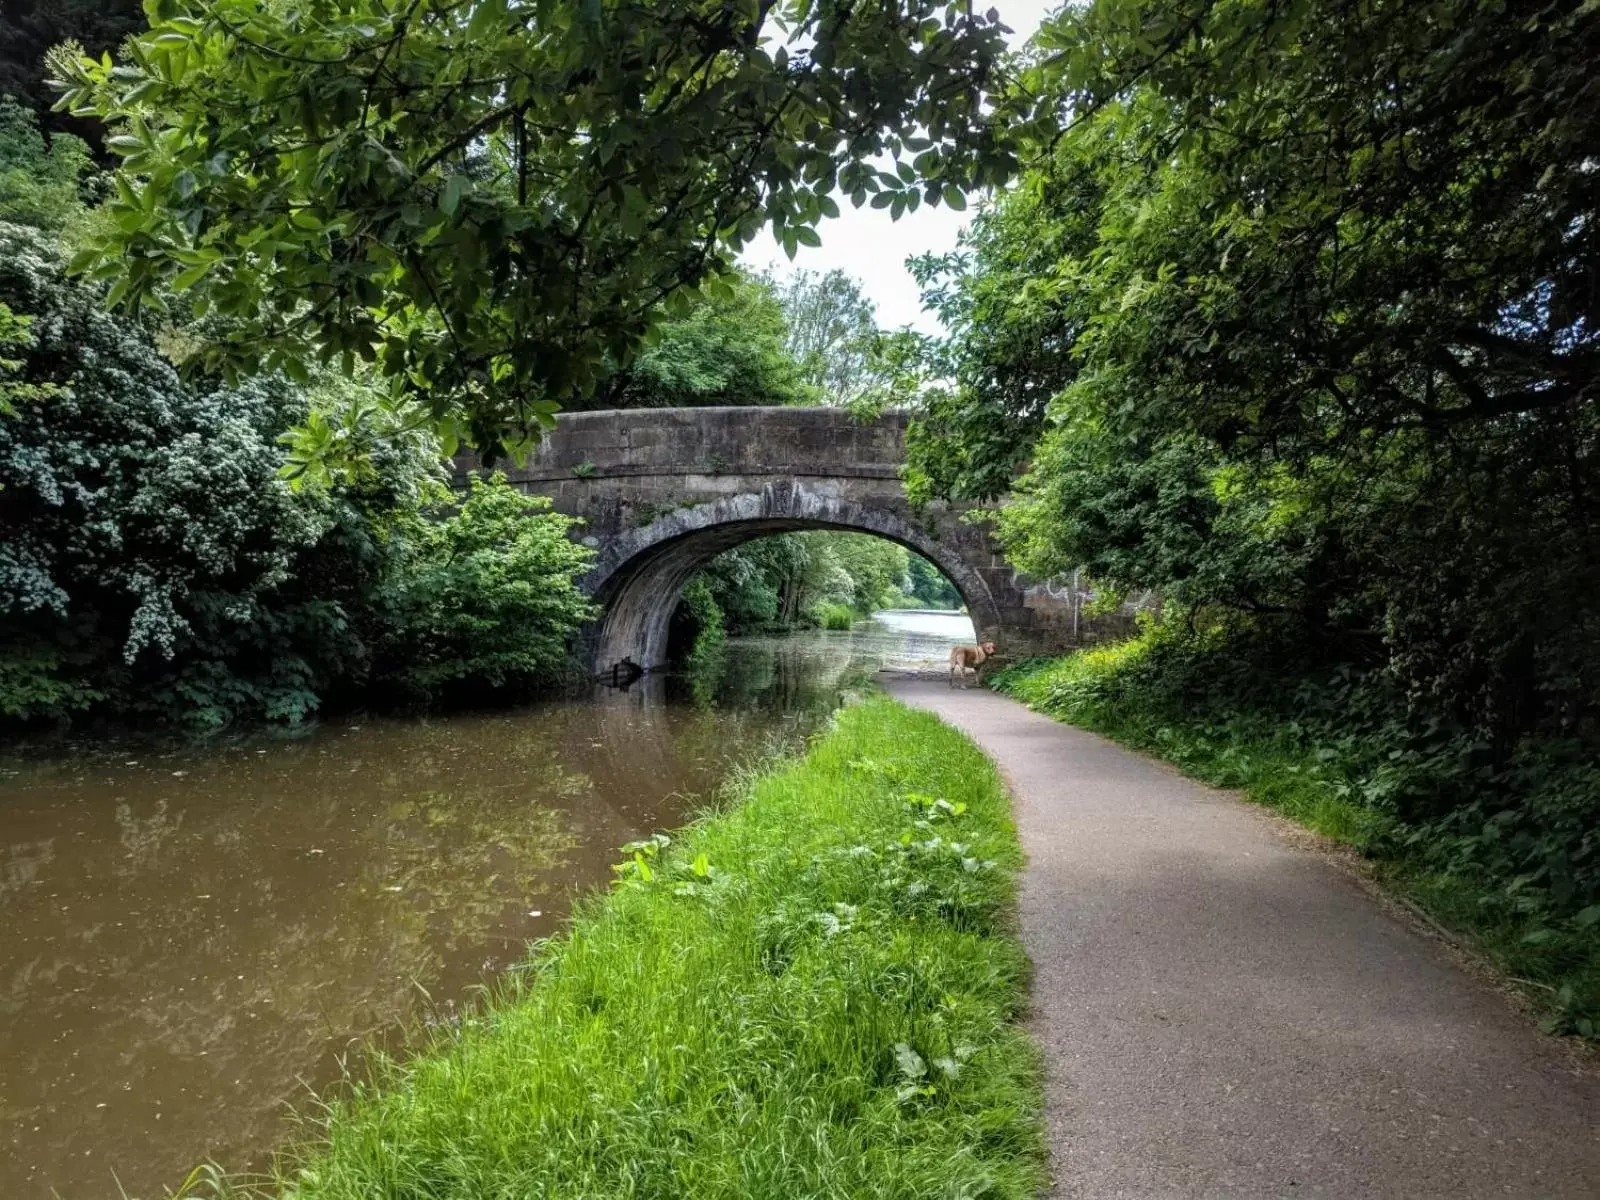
x,y
810,993
1499,859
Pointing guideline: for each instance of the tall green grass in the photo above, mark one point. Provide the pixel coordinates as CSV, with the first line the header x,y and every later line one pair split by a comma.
x,y
810,993
1292,746
835,616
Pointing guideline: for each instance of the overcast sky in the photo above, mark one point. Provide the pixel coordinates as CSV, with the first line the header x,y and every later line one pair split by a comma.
x,y
866,243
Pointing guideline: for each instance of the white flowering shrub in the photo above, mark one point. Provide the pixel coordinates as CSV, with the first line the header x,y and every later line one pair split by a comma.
x,y
154,562
150,552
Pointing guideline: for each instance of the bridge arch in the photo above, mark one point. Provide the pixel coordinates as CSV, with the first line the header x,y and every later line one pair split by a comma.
x,y
640,576
663,491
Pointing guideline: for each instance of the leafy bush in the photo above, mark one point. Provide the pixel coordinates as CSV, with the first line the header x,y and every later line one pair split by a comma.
x,y
156,565
834,616
703,616
39,185
485,598
146,527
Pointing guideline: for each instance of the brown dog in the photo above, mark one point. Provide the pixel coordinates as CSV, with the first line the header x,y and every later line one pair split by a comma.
x,y
962,657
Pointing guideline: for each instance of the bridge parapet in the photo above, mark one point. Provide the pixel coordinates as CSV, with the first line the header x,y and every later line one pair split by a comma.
x,y
719,442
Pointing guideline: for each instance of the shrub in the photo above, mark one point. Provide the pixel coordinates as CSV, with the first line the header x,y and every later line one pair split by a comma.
x,y
834,616
157,566
485,598
148,538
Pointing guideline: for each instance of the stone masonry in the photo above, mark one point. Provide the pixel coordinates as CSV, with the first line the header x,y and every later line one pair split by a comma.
x,y
663,491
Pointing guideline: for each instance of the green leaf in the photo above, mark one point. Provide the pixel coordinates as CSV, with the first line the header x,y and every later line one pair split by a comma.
x,y
584,219
450,198
187,279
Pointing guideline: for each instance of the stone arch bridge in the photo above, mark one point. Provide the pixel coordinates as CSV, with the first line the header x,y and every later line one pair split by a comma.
x,y
663,491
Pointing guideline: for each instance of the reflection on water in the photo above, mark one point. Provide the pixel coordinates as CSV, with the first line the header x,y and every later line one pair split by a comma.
x,y
896,639
189,939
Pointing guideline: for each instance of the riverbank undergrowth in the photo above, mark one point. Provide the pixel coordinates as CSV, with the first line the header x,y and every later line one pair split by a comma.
x,y
812,992
1503,852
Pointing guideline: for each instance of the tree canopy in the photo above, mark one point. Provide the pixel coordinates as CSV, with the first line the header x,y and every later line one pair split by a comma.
x,y
727,348
1298,318
832,333
492,198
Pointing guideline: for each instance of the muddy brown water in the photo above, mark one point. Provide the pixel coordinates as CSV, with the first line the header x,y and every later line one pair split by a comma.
x,y
191,940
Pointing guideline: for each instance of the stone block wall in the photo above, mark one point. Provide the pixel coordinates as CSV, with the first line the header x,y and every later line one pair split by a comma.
x,y
661,491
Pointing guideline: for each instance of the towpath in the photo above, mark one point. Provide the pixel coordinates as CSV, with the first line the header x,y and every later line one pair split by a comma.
x,y
1224,1013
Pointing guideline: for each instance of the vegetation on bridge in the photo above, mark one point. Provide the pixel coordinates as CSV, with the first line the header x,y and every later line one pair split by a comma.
x,y
811,993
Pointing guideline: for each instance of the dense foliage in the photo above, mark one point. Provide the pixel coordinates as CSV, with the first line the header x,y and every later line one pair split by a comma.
x,y
730,347
144,521
1314,303
813,993
155,564
492,198
485,598
928,587
39,185
1294,321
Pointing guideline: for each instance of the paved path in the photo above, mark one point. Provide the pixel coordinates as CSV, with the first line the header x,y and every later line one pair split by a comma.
x,y
1225,1014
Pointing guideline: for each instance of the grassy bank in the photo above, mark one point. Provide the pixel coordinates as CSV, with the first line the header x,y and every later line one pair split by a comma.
x,y
1503,854
811,992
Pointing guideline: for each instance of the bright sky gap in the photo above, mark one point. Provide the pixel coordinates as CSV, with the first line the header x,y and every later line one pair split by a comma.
x,y
874,248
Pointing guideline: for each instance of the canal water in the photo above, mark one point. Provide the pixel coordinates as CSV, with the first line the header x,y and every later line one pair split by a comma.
x,y
192,939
